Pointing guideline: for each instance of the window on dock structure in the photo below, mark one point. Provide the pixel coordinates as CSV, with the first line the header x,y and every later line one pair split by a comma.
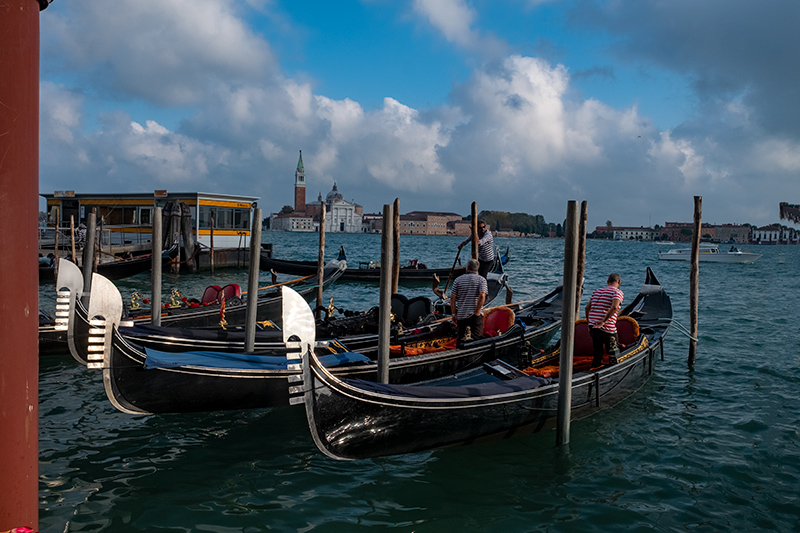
x,y
224,217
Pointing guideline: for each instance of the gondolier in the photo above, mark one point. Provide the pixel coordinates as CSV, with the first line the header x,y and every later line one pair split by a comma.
x,y
466,302
601,312
485,248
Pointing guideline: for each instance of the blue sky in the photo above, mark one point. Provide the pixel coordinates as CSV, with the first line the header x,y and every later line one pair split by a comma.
x,y
520,105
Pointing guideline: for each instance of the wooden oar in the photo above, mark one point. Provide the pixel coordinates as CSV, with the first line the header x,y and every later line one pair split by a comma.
x,y
450,276
284,283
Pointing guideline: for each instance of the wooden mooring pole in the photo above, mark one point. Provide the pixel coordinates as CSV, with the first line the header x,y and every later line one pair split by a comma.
x,y
581,254
19,181
396,246
155,273
474,213
88,256
55,243
568,315
72,237
211,243
694,279
321,254
385,324
252,282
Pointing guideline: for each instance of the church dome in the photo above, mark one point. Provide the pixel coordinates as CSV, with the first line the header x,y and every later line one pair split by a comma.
x,y
334,195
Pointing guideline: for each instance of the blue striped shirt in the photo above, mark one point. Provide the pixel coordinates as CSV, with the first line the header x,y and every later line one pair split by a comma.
x,y
467,288
486,247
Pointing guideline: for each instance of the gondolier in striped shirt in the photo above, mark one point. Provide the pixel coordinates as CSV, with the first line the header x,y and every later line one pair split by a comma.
x,y
601,312
466,302
485,248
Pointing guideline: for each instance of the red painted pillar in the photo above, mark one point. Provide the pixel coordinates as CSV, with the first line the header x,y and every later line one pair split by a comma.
x,y
19,303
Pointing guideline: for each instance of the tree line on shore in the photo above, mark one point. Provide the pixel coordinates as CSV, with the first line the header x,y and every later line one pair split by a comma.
x,y
520,222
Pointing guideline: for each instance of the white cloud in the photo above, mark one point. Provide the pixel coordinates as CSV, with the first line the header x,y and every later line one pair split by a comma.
x,y
166,52
456,21
514,136
778,155
452,17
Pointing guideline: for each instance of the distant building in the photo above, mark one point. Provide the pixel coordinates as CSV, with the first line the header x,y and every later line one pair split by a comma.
x,y
623,233
682,232
372,223
292,222
732,233
426,222
767,235
341,216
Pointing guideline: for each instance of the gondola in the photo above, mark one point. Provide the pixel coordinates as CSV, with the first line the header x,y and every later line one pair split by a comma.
x,y
73,317
414,273
358,329
52,338
505,257
117,268
143,380
356,419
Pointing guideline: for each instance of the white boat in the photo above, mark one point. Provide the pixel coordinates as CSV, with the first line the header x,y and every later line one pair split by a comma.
x,y
668,243
709,253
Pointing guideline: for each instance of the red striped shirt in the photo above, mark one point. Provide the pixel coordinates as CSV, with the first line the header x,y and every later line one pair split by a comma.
x,y
601,303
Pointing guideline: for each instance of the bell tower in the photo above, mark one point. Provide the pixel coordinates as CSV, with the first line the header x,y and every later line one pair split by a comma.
x,y
300,186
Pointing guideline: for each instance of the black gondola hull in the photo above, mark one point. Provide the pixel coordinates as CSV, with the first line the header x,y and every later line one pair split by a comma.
x,y
133,388
367,274
268,308
352,419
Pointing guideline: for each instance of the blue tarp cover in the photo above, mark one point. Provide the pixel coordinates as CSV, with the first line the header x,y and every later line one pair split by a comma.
x,y
159,359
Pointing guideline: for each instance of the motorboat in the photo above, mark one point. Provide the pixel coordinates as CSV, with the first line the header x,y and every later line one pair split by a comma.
x,y
710,253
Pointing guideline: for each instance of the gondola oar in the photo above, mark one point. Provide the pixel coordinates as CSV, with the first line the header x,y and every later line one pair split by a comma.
x,y
450,276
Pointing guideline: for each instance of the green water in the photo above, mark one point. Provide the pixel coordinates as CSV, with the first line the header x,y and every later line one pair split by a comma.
x,y
711,449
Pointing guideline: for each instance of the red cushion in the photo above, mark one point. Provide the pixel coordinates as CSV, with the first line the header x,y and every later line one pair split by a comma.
x,y
211,294
627,330
498,320
232,289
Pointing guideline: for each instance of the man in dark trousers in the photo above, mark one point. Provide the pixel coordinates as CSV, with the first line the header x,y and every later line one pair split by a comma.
x,y
601,312
466,302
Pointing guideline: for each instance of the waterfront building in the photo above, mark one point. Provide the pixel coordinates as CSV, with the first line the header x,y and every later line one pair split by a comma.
x,y
624,233
732,233
682,231
372,222
426,222
341,216
767,235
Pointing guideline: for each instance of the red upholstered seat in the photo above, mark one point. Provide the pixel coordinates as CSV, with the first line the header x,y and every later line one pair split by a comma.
x,y
497,321
583,341
211,294
232,289
627,331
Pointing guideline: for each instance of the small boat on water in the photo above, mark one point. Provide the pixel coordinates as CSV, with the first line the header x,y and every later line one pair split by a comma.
x,y
357,419
710,253
415,272
117,268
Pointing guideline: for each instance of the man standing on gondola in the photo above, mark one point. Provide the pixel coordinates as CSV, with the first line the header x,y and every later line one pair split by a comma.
x,y
466,302
601,313
485,248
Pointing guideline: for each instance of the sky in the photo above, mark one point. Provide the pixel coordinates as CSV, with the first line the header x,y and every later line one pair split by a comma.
x,y
635,106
